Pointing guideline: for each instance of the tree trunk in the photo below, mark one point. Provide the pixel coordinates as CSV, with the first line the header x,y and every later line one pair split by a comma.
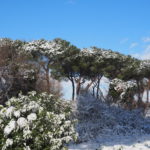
x,y
147,93
98,84
139,93
102,96
48,81
94,90
78,86
89,85
148,87
73,89
97,95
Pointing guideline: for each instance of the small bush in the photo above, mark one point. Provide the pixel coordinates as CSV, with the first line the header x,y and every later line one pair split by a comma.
x,y
35,122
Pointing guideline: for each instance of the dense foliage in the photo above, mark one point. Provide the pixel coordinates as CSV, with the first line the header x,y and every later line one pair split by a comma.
x,y
59,59
37,122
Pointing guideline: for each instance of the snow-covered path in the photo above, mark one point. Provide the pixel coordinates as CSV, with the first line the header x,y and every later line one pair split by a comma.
x,y
103,127
119,143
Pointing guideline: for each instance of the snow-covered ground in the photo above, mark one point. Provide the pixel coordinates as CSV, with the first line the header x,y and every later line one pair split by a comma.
x,y
115,143
104,127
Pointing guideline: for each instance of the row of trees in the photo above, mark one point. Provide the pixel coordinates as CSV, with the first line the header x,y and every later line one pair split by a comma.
x,y
41,61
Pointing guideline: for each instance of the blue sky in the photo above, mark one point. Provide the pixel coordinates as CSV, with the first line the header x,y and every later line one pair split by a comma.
x,y
120,25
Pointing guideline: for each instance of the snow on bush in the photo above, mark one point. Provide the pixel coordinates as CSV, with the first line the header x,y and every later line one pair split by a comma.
x,y
35,121
98,119
120,85
121,91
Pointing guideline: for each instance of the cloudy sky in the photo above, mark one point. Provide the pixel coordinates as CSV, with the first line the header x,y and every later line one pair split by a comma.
x,y
120,25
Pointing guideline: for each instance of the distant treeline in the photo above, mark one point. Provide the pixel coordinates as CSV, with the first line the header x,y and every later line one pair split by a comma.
x,y
39,65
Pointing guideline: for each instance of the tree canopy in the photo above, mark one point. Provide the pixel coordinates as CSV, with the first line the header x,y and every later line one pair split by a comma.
x,y
61,60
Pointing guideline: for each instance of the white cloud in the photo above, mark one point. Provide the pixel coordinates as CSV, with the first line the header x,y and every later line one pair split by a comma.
x,y
124,40
134,44
144,55
146,39
71,1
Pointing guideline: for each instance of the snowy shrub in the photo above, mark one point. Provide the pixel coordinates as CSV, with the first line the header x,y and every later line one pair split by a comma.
x,y
122,91
35,122
98,121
